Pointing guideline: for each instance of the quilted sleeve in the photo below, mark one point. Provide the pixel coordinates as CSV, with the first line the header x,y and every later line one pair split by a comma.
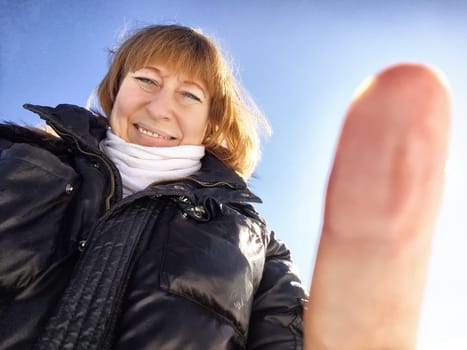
x,y
277,316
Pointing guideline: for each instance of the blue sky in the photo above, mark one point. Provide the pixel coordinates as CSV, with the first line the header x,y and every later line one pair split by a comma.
x,y
301,61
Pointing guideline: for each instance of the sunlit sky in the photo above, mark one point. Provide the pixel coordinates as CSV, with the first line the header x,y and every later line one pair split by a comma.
x,y
301,61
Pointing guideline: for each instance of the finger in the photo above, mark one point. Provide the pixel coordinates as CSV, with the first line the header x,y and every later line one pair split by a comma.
x,y
381,203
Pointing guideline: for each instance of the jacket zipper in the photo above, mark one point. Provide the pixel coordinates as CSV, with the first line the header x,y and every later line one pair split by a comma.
x,y
202,183
109,169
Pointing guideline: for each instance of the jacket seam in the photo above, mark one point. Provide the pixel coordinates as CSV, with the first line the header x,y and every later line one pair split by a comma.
x,y
224,318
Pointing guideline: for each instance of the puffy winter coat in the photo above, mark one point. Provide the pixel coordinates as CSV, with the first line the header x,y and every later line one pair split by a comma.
x,y
184,264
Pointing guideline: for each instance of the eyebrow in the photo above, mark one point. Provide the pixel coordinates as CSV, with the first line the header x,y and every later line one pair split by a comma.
x,y
187,82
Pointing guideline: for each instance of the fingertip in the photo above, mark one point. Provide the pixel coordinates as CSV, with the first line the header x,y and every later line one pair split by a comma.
x,y
405,91
415,73
391,152
408,74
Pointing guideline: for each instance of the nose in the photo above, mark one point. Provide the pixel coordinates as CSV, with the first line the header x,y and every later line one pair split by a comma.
x,y
161,105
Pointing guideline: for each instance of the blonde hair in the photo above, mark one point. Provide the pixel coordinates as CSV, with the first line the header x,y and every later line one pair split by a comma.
x,y
234,121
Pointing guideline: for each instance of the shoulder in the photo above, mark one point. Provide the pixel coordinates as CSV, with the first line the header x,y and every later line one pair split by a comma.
x,y
11,134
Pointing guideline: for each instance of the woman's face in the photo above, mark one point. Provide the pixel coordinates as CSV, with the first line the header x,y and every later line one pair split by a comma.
x,y
156,107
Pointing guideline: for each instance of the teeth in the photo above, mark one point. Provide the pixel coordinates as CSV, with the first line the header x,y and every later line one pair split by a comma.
x,y
150,133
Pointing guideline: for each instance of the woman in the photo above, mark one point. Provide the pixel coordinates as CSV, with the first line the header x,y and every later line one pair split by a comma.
x,y
134,229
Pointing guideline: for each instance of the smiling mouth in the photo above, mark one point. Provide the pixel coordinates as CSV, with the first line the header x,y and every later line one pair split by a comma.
x,y
154,134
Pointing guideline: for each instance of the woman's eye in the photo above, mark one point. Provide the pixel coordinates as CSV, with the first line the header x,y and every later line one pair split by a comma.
x,y
146,81
191,96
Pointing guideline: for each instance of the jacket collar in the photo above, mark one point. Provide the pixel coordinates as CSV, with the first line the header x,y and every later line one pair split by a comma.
x,y
74,124
79,126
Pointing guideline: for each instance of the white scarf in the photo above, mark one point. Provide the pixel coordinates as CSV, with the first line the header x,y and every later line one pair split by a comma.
x,y
139,166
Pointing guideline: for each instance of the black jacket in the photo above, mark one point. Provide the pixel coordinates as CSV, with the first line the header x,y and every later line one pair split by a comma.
x,y
184,264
